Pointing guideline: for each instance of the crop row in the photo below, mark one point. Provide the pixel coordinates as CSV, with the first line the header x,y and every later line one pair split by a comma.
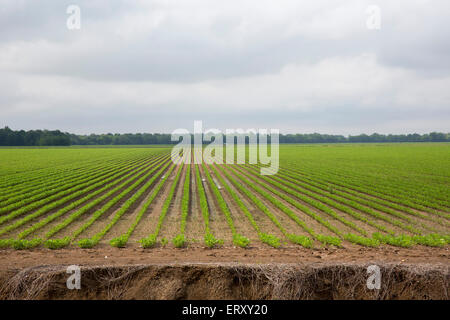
x,y
28,190
41,175
150,240
61,185
69,207
267,238
358,203
52,195
90,242
253,184
392,193
348,202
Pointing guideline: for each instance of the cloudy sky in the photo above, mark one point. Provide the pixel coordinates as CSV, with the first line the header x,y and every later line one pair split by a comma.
x,y
154,66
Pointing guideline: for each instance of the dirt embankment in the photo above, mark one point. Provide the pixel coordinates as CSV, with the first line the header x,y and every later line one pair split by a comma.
x,y
226,273
229,281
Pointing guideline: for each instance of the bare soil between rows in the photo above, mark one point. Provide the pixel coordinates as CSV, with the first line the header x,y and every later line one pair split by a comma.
x,y
226,273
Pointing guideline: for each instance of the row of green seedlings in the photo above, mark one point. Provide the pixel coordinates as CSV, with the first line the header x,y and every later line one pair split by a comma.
x,y
34,189
363,205
346,201
347,190
87,243
102,185
254,183
304,241
377,238
12,182
316,204
397,187
151,240
391,202
72,205
209,239
55,185
432,239
361,238
45,183
179,241
91,242
59,243
37,186
389,207
60,197
238,239
46,208
393,195
25,185
122,240
266,238
51,169
319,202
55,201
48,195
393,184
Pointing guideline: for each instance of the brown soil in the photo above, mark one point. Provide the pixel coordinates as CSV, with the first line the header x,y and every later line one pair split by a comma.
x,y
195,225
225,273
149,220
106,218
370,217
217,221
261,219
172,222
240,221
341,226
288,223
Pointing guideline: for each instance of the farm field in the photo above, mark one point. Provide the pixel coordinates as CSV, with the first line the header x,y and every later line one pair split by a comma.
x,y
338,196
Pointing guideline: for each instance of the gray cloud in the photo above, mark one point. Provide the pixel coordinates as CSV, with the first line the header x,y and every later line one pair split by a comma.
x,y
158,65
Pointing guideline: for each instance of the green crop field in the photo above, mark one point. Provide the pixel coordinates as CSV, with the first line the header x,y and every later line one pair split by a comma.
x,y
338,195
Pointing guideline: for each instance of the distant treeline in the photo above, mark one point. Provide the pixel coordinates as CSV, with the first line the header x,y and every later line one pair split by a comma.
x,y
326,138
10,137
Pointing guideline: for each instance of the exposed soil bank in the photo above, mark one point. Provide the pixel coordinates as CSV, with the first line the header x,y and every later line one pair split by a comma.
x,y
229,281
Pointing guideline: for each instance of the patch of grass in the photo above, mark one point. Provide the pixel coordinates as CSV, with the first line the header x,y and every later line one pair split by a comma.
x,y
86,243
304,241
364,241
148,242
240,240
119,242
270,239
179,241
57,243
335,241
402,240
211,241
25,244
6,243
432,240
164,242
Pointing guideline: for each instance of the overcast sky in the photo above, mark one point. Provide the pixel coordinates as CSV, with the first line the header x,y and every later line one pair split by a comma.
x,y
154,66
